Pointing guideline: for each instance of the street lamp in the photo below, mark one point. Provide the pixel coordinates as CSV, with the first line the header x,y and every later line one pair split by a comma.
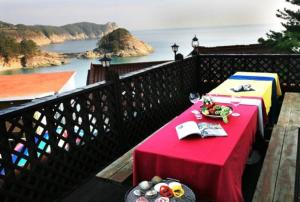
x,y
175,48
195,44
105,61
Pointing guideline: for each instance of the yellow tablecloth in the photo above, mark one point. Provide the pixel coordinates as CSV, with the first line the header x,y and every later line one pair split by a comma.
x,y
262,89
274,75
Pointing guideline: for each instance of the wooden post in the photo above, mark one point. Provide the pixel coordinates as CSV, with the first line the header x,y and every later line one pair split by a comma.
x,y
183,94
112,76
29,135
198,80
51,128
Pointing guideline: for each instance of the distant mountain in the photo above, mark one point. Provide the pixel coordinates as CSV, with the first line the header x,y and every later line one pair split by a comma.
x,y
42,34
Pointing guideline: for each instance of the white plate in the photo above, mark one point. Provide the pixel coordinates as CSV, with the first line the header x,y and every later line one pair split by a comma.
x,y
217,116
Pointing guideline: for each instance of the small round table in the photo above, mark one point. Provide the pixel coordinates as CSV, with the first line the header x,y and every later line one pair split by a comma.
x,y
189,195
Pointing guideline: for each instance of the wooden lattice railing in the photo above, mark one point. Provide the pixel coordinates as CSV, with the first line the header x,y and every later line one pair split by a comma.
x,y
51,145
214,69
96,72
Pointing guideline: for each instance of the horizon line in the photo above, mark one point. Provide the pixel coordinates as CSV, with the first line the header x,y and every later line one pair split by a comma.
x,y
148,29
206,26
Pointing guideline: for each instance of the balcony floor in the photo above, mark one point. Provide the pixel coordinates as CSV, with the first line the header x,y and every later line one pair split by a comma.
x,y
252,172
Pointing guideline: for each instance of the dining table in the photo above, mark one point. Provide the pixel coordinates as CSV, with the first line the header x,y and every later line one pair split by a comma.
x,y
262,89
264,85
264,92
212,166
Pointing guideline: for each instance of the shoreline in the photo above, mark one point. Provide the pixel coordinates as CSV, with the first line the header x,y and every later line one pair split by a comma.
x,y
43,59
3,69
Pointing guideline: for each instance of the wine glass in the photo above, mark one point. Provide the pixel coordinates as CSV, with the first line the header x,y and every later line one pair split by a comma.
x,y
194,97
235,101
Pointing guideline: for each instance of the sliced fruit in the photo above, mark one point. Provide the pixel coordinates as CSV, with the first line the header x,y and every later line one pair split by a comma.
x,y
212,111
206,112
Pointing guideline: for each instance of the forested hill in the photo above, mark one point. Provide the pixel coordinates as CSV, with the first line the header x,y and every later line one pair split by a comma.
x,y
122,43
43,35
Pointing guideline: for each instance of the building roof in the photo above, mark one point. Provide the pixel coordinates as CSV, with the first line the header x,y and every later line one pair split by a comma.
x,y
236,49
96,72
31,86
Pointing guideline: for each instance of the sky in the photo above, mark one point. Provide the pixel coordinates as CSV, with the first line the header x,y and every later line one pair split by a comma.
x,y
142,14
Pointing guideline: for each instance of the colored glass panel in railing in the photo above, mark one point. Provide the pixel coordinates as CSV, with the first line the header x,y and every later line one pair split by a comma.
x,y
19,153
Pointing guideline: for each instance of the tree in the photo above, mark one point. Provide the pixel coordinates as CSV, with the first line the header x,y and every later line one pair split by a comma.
x,y
113,41
8,47
28,47
289,39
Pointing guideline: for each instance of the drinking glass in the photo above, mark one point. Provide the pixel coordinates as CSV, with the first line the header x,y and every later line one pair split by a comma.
x,y
194,97
235,101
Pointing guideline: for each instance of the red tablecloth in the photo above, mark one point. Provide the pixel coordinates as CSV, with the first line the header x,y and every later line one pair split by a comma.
x,y
212,167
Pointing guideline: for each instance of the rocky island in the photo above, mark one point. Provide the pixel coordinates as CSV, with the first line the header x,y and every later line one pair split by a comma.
x,y
19,43
119,43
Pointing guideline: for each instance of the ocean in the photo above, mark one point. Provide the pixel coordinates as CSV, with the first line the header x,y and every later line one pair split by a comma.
x,y
160,39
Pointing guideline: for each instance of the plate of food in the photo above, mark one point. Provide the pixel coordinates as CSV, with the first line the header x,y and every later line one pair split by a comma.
x,y
215,110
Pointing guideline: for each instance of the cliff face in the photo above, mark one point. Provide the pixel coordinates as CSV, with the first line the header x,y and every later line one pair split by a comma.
x,y
134,47
121,43
13,63
43,35
43,59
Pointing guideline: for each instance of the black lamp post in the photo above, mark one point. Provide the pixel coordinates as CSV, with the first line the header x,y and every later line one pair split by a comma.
x,y
109,73
105,61
175,49
195,45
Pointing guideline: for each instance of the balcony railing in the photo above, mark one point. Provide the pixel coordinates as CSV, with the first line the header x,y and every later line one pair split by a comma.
x,y
51,145
96,72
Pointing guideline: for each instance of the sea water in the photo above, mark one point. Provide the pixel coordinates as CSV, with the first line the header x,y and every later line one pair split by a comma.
x,y
160,39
